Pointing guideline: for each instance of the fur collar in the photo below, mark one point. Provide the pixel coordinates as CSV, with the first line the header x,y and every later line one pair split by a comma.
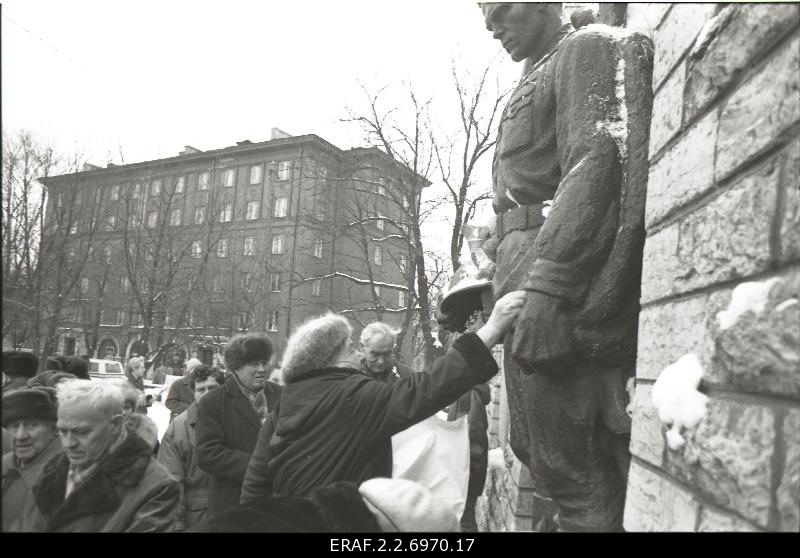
x,y
102,493
320,372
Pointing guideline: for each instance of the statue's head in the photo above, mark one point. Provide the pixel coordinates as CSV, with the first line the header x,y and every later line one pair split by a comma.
x,y
524,29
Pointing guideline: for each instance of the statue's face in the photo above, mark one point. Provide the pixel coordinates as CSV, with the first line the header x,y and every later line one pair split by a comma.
x,y
520,27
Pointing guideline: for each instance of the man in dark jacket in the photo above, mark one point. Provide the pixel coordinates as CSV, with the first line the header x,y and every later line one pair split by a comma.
x,y
377,354
181,394
335,424
229,418
570,174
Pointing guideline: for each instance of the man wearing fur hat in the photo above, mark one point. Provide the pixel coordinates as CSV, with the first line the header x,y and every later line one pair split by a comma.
x,y
29,415
229,418
19,367
569,174
106,480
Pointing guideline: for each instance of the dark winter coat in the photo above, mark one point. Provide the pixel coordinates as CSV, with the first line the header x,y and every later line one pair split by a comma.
x,y
336,508
180,397
179,456
18,484
336,424
130,492
227,430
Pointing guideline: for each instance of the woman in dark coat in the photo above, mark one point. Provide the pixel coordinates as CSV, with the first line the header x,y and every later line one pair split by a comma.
x,y
335,424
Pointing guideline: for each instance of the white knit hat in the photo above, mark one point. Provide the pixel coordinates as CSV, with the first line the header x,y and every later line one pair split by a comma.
x,y
403,505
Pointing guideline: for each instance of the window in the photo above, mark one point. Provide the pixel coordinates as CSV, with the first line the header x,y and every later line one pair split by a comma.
x,y
378,259
401,299
155,187
222,248
180,184
125,285
111,223
318,248
380,223
115,192
316,287
226,214
323,172
403,263
241,322
196,249
107,253
377,290
73,229
252,210
175,217
137,191
256,174
71,253
152,219
218,283
381,187
199,214
278,244
246,281
84,285
319,209
143,285
272,321
228,178
202,181
280,207
275,282
60,200
111,317
283,170
249,246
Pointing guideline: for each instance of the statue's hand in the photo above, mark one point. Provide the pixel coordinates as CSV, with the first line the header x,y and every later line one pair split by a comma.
x,y
543,333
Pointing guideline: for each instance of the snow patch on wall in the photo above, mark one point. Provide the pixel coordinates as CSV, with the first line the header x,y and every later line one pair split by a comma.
x,y
747,297
677,400
496,459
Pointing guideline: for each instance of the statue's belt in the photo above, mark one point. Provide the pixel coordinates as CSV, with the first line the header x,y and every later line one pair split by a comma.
x,y
520,218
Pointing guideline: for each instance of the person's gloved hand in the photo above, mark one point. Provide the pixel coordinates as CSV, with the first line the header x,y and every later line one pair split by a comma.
x,y
504,313
543,333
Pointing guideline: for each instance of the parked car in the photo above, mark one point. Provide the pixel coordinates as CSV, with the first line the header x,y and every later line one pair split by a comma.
x,y
101,369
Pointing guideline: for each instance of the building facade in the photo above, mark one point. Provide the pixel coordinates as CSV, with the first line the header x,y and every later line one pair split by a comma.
x,y
184,252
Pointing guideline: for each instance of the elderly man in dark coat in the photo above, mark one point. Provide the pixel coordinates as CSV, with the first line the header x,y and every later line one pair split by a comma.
x,y
570,173
107,479
229,418
30,416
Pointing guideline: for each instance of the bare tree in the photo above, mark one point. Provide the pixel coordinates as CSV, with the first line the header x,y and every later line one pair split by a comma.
x,y
479,101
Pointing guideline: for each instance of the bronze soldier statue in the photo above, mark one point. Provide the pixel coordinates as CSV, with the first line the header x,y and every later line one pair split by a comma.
x,y
570,174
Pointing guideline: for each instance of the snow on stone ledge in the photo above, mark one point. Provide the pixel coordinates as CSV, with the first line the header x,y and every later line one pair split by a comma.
x,y
747,297
677,400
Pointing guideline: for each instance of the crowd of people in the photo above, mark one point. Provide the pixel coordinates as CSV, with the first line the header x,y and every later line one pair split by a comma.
x,y
242,452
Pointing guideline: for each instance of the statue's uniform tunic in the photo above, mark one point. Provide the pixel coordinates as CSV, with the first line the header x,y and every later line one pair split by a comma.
x,y
575,132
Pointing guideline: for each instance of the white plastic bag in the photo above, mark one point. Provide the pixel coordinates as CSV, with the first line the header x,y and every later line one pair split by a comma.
x,y
435,454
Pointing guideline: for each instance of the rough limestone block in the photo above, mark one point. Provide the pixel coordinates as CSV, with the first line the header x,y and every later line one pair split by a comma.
x,y
645,16
670,331
667,112
683,173
647,438
760,110
751,28
654,503
760,352
676,34
790,228
717,522
726,239
728,458
789,489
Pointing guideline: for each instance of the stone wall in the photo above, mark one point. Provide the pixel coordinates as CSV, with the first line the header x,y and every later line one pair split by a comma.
x,y
722,210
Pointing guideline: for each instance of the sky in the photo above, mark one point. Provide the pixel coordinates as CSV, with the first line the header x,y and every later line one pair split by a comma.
x,y
123,81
